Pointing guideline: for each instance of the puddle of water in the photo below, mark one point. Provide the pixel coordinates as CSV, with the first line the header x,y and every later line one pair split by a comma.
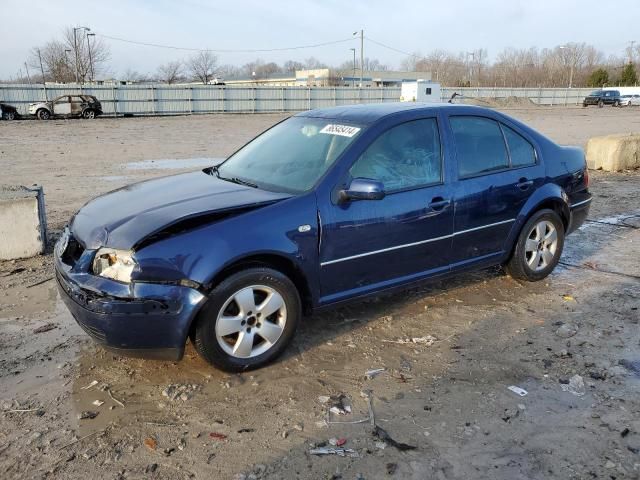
x,y
173,164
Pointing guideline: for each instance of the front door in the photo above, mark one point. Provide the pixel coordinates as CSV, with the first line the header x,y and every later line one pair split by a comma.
x,y
367,245
62,106
497,173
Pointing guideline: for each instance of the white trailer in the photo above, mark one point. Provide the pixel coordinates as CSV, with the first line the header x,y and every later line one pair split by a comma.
x,y
420,91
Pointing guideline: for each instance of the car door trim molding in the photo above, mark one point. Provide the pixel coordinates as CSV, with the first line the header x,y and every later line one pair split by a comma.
x,y
413,244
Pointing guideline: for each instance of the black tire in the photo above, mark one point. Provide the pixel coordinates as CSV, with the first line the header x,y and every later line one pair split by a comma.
x,y
204,335
600,104
43,114
584,105
9,115
518,266
616,103
89,114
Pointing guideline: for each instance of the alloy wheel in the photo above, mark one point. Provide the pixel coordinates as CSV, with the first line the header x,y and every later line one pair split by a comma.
x,y
541,245
251,321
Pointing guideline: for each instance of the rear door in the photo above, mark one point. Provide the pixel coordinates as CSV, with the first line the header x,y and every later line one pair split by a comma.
x,y
76,105
371,244
497,171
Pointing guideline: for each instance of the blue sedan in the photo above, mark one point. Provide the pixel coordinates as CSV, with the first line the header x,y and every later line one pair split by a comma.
x,y
327,206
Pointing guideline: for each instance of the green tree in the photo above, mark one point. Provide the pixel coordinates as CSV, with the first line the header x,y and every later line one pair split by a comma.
x,y
628,76
598,78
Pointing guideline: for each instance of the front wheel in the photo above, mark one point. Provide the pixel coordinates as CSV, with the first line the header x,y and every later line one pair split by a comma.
x,y
9,115
539,246
43,114
600,104
248,320
616,103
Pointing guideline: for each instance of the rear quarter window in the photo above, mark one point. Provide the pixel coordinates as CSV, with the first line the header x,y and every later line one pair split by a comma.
x,y
521,151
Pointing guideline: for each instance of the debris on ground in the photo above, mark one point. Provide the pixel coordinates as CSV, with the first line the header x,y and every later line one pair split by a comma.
x,y
45,328
91,385
150,443
517,390
427,340
575,385
177,391
337,442
218,436
87,415
341,452
369,374
566,330
391,468
98,403
382,435
568,298
339,405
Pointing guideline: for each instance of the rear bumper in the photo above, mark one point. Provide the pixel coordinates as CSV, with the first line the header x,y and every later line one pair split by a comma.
x,y
579,210
153,322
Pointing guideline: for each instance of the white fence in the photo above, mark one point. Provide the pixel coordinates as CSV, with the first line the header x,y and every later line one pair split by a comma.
x,y
161,99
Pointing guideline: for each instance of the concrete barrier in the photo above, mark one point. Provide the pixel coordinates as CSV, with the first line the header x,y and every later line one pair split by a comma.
x,y
614,153
23,224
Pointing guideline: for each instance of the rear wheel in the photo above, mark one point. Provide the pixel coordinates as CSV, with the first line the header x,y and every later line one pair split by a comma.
x,y
616,103
600,104
248,320
9,115
43,114
539,246
89,114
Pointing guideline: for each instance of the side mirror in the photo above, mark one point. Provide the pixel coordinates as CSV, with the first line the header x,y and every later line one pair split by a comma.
x,y
363,189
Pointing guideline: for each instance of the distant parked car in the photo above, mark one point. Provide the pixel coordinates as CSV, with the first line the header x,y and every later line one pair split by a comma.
x,y
8,112
602,98
67,106
628,100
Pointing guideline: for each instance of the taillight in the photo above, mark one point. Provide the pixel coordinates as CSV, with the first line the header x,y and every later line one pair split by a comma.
x,y
586,178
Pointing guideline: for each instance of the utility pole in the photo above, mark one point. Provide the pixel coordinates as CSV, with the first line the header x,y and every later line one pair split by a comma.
x,y
631,44
27,70
361,54
353,78
90,59
75,50
44,80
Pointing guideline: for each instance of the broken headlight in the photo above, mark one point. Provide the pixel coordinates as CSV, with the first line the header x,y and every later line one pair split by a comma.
x,y
114,264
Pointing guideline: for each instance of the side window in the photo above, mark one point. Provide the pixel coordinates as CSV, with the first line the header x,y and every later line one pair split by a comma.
x,y
480,145
520,150
62,100
407,155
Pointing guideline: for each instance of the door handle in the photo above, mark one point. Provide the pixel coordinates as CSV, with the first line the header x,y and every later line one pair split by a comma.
x,y
438,204
524,184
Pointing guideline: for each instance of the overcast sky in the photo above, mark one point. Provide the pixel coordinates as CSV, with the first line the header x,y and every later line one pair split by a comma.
x,y
258,24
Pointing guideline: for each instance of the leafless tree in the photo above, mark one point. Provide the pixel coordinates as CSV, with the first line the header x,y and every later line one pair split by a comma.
x,y
62,58
171,72
203,65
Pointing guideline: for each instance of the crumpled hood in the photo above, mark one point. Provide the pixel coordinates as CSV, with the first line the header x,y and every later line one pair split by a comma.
x,y
125,217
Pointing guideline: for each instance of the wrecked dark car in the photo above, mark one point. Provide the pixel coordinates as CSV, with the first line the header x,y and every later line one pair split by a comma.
x,y
8,112
327,206
67,106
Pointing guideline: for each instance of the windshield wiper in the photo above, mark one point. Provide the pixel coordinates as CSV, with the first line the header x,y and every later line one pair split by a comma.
x,y
240,181
237,180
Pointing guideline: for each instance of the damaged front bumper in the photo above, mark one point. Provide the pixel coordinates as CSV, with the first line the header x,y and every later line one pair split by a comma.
x,y
139,319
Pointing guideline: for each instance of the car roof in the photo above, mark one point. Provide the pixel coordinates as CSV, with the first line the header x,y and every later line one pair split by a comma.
x,y
365,114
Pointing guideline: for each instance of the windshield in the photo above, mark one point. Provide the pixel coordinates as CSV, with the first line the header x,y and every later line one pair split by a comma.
x,y
595,93
290,157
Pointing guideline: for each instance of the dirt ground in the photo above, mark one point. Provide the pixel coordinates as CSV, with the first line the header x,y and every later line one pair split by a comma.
x,y
449,350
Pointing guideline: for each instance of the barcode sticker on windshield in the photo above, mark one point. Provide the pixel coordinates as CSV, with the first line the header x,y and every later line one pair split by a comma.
x,y
342,130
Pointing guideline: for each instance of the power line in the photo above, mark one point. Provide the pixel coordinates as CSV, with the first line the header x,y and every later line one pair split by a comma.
x,y
218,50
392,48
